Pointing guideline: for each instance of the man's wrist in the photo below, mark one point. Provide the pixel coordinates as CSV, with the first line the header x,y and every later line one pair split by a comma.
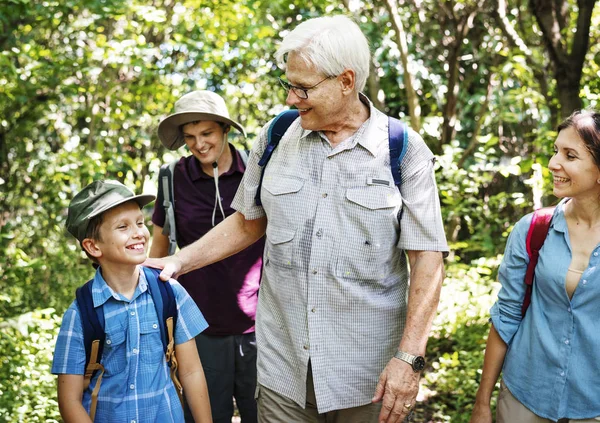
x,y
417,362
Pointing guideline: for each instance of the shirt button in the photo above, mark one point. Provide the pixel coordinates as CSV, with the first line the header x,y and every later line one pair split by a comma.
x,y
566,341
585,281
132,313
319,233
133,421
135,351
314,271
569,309
108,342
324,195
305,347
155,326
596,254
132,386
562,373
314,309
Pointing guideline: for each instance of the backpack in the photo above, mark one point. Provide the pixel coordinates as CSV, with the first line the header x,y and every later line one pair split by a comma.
x,y
165,184
536,235
92,320
397,135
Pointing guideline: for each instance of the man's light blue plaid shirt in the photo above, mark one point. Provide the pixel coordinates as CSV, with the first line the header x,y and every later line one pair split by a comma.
x,y
136,386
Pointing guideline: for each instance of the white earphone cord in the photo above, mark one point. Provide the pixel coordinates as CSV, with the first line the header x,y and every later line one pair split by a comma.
x,y
216,178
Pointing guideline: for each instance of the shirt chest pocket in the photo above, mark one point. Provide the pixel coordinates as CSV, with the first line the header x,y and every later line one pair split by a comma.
x,y
281,195
114,355
151,346
280,246
375,197
372,232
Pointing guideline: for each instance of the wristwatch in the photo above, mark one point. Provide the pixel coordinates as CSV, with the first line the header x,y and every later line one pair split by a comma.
x,y
416,361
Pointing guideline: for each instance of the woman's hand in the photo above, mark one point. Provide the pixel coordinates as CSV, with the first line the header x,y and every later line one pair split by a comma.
x,y
481,413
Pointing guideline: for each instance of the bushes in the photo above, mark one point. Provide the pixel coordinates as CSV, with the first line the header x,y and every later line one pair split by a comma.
x,y
27,389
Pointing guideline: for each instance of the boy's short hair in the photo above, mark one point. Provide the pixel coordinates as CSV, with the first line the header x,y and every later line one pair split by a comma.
x,y
95,199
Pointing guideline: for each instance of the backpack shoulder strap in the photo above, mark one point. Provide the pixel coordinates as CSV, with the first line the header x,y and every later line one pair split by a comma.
x,y
165,186
536,235
92,321
244,154
397,136
164,301
166,310
278,127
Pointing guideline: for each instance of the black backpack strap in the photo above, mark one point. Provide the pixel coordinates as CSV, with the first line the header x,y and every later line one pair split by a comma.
x,y
166,310
164,302
94,335
165,188
397,136
92,319
278,127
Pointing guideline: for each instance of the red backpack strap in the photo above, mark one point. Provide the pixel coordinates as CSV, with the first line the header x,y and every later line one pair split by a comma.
x,y
538,230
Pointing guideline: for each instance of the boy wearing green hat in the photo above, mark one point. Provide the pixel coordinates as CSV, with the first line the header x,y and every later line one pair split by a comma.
x,y
107,220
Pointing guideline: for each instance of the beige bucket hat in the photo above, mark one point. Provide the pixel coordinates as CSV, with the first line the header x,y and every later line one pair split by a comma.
x,y
197,105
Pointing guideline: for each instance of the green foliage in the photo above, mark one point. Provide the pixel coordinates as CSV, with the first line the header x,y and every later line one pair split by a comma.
x,y
84,85
27,389
457,344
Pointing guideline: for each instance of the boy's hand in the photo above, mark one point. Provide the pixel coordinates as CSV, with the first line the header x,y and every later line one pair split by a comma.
x,y
171,266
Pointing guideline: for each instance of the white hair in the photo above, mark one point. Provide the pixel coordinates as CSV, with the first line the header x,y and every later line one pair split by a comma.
x,y
331,45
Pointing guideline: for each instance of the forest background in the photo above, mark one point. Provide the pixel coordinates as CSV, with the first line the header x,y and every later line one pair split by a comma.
x,y
83,85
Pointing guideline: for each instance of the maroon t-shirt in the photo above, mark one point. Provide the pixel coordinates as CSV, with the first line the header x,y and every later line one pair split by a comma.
x,y
227,291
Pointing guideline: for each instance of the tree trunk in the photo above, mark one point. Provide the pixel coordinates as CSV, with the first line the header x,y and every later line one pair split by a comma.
x,y
553,19
414,109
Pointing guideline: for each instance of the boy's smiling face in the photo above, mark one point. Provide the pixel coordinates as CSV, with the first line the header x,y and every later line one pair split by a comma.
x,y
123,236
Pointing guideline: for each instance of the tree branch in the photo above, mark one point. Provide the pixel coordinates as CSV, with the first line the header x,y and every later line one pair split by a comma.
x,y
414,109
546,18
581,39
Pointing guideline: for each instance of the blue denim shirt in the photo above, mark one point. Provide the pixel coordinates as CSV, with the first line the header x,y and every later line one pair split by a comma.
x,y
552,363
136,386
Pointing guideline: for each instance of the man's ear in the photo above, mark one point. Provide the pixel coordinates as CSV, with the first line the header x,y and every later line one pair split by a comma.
x,y
348,80
91,247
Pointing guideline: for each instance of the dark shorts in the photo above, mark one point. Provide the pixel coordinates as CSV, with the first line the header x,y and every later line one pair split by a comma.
x,y
229,364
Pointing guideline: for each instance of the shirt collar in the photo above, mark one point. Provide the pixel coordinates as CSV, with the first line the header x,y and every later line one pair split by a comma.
x,y
101,292
559,223
370,135
196,172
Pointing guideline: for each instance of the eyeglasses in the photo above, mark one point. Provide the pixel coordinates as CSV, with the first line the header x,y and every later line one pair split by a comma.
x,y
299,91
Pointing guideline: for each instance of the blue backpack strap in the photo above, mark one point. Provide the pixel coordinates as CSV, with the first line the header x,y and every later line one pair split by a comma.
x,y
397,135
164,301
278,127
92,320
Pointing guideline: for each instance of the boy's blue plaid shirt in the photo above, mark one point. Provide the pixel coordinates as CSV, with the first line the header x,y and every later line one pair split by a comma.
x,y
136,386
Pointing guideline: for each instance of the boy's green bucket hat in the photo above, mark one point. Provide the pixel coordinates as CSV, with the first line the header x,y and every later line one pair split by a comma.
x,y
96,198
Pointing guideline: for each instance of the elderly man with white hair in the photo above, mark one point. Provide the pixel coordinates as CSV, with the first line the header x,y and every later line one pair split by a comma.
x,y
342,324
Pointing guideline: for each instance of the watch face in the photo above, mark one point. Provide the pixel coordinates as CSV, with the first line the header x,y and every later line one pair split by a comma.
x,y
418,364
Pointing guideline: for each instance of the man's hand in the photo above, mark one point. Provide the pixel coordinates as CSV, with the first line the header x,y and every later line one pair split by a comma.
x,y
398,387
482,413
171,266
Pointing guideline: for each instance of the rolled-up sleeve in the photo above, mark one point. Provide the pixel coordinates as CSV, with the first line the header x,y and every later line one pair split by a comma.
x,y
421,227
506,312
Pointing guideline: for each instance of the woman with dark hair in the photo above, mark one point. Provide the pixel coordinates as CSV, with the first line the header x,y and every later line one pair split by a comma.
x,y
549,357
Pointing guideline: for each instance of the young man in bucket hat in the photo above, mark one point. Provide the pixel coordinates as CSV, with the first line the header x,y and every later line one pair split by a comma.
x,y
107,220
204,184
